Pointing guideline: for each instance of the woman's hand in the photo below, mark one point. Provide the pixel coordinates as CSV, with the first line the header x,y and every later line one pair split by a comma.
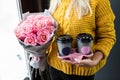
x,y
90,62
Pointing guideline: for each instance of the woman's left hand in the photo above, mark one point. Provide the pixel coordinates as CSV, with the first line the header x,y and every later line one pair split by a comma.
x,y
90,62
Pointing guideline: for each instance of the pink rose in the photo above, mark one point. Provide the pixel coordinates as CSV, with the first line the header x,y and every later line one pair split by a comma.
x,y
39,24
24,30
31,40
18,35
43,36
49,21
50,29
39,17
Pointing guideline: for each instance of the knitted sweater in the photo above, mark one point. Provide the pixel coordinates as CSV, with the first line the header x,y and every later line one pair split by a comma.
x,y
100,25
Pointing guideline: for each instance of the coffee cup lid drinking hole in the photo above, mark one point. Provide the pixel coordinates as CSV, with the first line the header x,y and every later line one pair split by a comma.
x,y
85,37
64,38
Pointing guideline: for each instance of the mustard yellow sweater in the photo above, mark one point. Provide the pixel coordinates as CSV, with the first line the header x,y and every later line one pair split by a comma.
x,y
100,25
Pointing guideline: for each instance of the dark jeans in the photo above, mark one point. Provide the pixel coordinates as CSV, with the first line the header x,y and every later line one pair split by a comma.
x,y
59,75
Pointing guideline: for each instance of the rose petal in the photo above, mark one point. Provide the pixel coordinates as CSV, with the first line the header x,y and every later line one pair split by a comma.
x,y
43,37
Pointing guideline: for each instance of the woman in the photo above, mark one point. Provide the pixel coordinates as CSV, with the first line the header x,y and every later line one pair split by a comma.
x,y
82,16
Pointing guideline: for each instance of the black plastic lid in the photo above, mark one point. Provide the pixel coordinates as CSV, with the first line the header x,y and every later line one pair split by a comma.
x,y
64,38
85,37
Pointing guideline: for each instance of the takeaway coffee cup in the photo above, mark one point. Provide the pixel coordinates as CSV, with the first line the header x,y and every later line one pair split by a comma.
x,y
64,43
84,43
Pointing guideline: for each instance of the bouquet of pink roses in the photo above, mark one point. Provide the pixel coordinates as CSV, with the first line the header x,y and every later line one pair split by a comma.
x,y
35,34
36,29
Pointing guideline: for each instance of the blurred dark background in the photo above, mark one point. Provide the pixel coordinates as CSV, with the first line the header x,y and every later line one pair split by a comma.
x,y
34,5
112,69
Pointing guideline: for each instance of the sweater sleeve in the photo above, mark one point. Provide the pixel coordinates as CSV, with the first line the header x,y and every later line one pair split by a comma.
x,y
105,32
